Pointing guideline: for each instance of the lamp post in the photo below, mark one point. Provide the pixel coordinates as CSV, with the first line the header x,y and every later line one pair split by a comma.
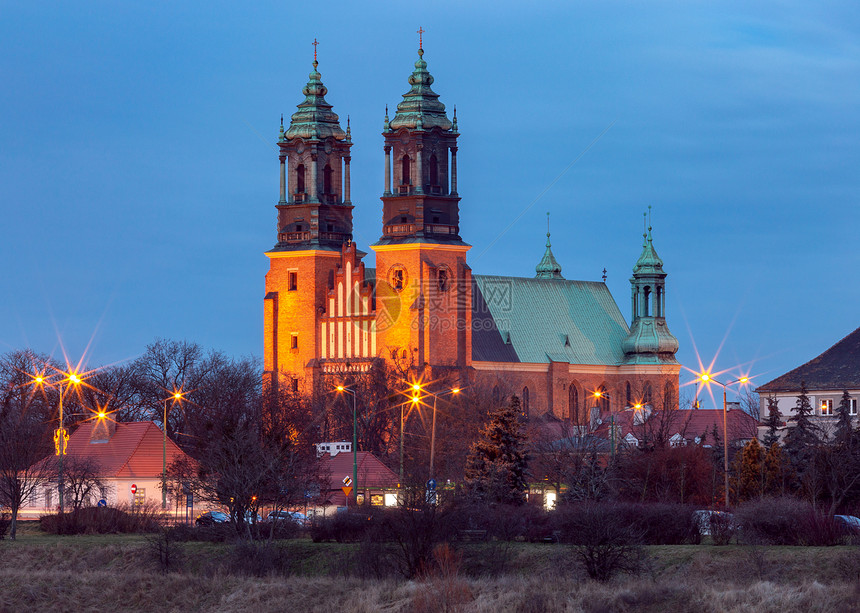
x,y
416,387
706,378
341,388
600,394
61,437
176,397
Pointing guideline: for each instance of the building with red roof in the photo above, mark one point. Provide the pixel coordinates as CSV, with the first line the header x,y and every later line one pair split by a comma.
x,y
377,484
128,457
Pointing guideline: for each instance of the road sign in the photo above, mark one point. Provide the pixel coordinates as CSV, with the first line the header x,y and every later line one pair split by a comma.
x,y
189,500
431,485
133,488
346,490
102,503
347,481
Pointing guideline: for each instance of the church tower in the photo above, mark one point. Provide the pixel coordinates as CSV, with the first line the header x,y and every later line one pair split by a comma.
x,y
314,224
423,281
649,340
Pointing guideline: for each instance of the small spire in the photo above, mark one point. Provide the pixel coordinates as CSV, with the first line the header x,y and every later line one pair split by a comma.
x,y
548,267
315,43
421,39
547,229
604,275
348,131
649,222
282,121
455,119
385,125
644,230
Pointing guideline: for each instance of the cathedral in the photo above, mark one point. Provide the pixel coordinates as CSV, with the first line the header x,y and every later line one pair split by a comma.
x,y
562,346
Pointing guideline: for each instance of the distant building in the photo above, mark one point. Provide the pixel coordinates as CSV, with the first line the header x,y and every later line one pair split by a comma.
x,y
550,340
377,484
826,377
128,456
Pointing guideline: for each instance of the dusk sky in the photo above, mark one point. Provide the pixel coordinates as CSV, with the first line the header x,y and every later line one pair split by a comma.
x,y
139,168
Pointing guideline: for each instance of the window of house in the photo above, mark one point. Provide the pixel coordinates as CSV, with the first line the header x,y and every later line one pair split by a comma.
x,y
49,498
573,401
294,341
826,407
526,401
443,279
852,406
398,278
295,385
330,227
293,281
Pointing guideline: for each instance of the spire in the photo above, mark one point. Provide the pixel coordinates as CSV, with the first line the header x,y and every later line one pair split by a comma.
x,y
454,128
385,125
421,102
649,261
348,131
315,119
548,268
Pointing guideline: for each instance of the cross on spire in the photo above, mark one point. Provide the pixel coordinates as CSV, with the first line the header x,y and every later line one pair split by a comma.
x,y
604,275
421,37
315,43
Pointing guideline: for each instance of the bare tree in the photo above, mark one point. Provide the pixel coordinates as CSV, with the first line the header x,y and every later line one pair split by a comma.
x,y
82,478
25,432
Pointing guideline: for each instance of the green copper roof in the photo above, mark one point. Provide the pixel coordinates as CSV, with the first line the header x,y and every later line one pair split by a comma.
x,y
314,119
649,261
548,268
420,108
516,319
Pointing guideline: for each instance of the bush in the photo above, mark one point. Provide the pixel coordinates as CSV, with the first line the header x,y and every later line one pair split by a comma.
x,y
5,520
260,559
216,533
785,521
604,541
166,550
655,523
104,520
346,527
723,528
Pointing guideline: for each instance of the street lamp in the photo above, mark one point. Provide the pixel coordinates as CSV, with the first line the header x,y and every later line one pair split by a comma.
x,y
416,387
176,397
341,388
707,378
600,395
61,437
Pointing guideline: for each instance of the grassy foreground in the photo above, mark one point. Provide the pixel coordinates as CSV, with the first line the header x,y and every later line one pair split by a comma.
x,y
117,573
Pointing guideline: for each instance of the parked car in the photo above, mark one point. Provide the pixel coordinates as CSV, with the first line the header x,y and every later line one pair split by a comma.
x,y
300,518
848,524
210,518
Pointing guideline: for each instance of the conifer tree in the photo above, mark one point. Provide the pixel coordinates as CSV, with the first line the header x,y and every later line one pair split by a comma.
x,y
748,472
497,464
772,422
776,471
845,435
802,439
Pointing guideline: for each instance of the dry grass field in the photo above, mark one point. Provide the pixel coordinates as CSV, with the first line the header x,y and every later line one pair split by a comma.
x,y
119,573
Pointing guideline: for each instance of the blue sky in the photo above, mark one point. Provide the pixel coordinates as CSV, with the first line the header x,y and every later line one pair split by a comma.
x,y
139,171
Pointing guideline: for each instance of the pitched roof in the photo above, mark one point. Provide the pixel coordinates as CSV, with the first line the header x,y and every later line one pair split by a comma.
x,y
836,369
517,319
134,450
372,473
689,423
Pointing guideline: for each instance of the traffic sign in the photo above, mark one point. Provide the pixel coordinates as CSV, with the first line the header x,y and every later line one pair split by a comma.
x,y
347,481
133,488
431,485
102,502
346,490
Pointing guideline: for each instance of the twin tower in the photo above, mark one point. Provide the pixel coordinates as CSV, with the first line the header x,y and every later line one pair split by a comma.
x,y
324,311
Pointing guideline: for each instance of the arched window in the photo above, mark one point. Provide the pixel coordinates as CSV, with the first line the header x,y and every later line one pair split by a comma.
x,y
669,396
300,179
405,171
647,302
648,394
526,401
573,402
327,172
434,170
629,395
603,399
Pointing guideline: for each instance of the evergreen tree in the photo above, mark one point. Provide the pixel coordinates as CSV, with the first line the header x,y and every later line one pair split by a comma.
x,y
776,471
773,421
497,464
802,439
748,472
845,435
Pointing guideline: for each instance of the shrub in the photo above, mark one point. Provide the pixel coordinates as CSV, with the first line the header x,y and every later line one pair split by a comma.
x,y
722,528
347,527
785,521
216,533
166,550
604,541
103,520
5,520
655,523
260,559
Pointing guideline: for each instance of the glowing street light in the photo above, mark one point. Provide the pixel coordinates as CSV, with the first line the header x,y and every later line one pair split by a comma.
x,y
707,378
415,400
176,397
347,390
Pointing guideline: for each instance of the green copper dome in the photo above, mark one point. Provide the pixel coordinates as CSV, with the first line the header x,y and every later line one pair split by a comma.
x,y
420,108
548,268
314,119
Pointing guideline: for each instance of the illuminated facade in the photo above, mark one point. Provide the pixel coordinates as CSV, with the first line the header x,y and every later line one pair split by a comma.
x,y
550,340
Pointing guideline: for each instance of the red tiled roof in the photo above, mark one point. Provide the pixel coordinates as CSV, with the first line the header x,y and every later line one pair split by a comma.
x,y
134,450
372,473
689,423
